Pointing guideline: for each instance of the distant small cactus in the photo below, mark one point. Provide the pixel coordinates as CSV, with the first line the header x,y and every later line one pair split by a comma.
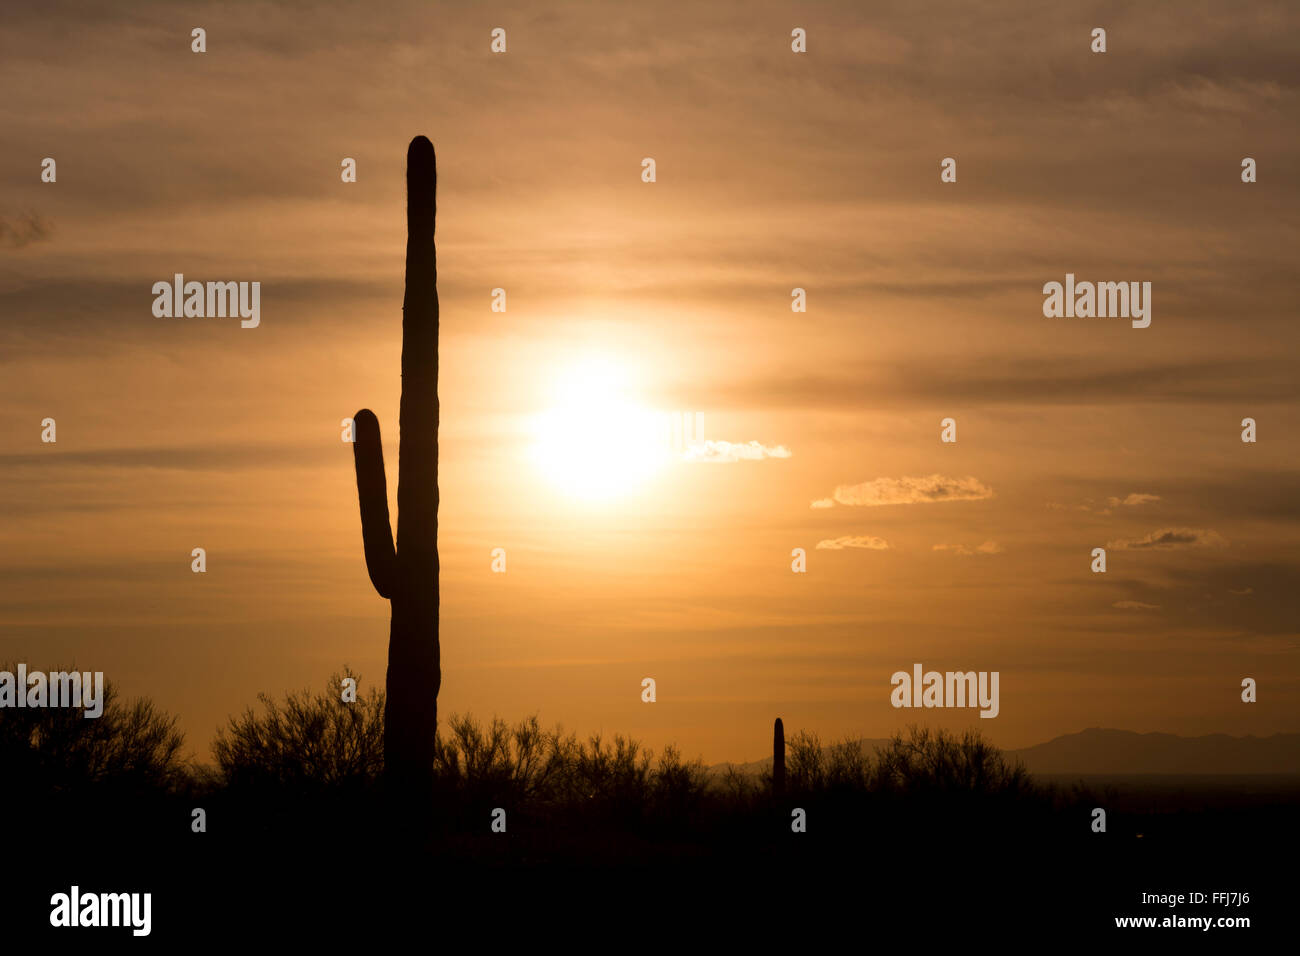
x,y
778,758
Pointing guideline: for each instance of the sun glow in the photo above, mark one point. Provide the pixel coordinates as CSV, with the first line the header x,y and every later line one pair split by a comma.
x,y
596,442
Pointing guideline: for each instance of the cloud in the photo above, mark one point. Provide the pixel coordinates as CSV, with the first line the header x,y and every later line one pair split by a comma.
x,y
1137,498
1135,606
1018,381
51,314
909,490
1168,539
867,541
218,456
23,231
1241,593
988,547
725,451
823,503
1132,500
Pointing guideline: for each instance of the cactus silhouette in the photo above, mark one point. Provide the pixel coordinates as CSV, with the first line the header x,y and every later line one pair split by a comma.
x,y
778,758
408,574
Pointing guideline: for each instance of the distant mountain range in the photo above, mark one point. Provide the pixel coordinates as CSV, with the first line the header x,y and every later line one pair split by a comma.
x,y
1101,751
1098,751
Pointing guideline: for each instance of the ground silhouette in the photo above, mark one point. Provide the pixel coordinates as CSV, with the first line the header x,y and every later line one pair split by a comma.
x,y
298,821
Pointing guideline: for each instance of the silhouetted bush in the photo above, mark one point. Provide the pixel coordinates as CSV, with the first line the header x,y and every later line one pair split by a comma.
x,y
519,762
314,742
805,763
548,772
132,748
929,762
564,791
311,741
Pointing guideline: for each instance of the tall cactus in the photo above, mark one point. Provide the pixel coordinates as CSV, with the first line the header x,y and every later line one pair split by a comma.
x,y
408,575
778,758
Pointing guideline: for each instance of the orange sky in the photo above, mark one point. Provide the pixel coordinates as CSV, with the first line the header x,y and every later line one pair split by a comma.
x,y
774,171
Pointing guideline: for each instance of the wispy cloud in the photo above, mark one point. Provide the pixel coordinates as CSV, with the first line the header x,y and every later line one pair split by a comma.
x,y
1168,539
867,541
725,451
1130,501
988,547
911,490
1135,606
1019,381
23,230
1136,498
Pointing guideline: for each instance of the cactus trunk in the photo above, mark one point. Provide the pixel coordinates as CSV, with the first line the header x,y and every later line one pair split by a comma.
x,y
408,575
778,758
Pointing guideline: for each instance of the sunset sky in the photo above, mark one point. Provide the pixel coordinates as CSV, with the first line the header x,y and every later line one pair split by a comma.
x,y
630,301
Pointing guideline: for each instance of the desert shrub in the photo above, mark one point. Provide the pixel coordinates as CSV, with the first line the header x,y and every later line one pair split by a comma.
x,y
677,783
927,763
549,772
805,764
315,742
133,747
739,788
948,783
310,741
848,767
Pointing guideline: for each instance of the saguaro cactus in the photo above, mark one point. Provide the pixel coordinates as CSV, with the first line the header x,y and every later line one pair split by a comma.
x,y
408,574
778,758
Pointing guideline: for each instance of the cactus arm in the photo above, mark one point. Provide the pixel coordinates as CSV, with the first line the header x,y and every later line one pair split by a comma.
x,y
372,493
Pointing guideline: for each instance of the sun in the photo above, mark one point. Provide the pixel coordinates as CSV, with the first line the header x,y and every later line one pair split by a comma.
x,y
597,442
